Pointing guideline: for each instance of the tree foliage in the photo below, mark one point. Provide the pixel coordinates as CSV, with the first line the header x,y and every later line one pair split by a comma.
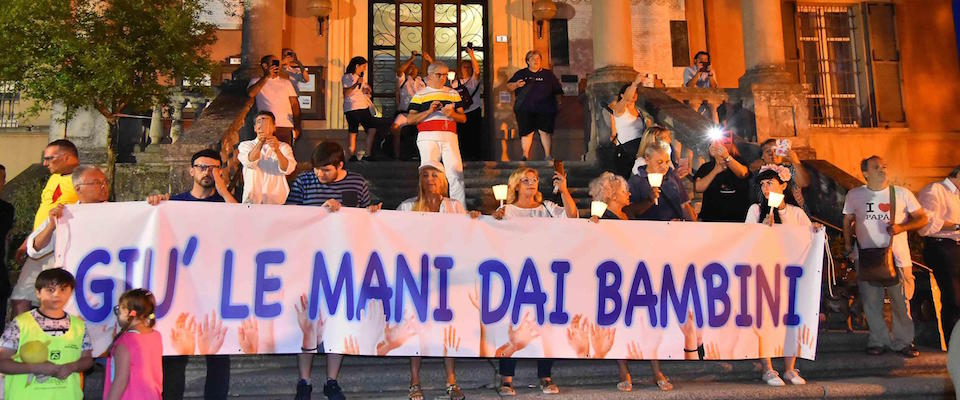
x,y
104,54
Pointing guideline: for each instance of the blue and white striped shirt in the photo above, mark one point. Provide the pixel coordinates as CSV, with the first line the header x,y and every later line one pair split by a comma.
x,y
307,190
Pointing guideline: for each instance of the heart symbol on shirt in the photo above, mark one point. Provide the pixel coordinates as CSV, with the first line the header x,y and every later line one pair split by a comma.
x,y
884,207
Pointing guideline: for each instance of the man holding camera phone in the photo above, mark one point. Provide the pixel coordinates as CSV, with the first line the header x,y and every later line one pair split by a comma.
x,y
277,95
435,112
700,74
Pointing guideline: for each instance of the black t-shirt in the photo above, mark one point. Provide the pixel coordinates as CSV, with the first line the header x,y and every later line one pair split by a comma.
x,y
539,93
186,196
727,198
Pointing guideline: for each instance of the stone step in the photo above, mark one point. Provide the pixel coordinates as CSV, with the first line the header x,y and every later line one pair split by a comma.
x,y
918,387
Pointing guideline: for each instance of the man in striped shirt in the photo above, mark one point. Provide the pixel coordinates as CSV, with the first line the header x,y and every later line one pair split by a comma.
x,y
328,182
435,112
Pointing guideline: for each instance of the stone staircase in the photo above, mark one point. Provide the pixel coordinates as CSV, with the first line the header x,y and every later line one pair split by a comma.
x,y
841,370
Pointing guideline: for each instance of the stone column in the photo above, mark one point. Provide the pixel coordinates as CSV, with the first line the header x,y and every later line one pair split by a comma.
x,y
346,35
262,32
774,104
612,63
763,37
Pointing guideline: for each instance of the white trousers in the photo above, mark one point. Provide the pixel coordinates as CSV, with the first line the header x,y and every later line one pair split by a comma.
x,y
443,147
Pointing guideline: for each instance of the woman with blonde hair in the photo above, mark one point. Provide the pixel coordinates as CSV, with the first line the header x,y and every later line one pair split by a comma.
x,y
613,191
525,200
432,196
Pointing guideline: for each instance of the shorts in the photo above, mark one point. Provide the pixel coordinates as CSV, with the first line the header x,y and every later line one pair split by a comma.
x,y
26,289
359,117
528,122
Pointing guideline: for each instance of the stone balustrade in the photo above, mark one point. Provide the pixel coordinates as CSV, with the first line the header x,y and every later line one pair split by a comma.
x,y
709,102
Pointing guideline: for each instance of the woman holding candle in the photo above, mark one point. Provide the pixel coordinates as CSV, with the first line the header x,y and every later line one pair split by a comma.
x,y
525,200
611,189
656,192
775,209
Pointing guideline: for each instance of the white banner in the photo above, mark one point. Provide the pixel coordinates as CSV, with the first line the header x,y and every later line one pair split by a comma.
x,y
228,279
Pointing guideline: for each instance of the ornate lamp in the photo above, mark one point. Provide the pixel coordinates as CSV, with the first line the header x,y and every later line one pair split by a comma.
x,y
542,11
320,9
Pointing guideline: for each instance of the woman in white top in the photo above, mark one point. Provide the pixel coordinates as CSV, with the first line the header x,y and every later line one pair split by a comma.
x,y
774,178
626,127
432,197
356,104
525,200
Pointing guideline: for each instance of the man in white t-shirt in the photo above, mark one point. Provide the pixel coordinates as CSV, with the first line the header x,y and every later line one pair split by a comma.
x,y
277,95
434,110
867,210
266,163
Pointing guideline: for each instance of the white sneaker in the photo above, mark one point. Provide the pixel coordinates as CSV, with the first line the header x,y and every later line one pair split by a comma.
x,y
772,378
794,377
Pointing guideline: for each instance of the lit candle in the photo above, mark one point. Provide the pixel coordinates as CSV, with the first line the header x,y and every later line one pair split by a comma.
x,y
597,208
451,75
774,199
655,179
500,193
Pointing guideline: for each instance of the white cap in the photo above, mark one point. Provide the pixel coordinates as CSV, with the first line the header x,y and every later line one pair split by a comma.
x,y
431,164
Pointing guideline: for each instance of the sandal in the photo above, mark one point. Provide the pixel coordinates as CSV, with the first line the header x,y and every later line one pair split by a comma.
x,y
625,386
664,384
506,389
454,392
415,393
548,387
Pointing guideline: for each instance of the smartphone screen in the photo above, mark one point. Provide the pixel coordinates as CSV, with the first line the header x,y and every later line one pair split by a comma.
x,y
350,198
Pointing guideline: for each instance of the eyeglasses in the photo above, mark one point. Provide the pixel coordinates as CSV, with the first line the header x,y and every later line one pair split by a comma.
x,y
98,182
51,158
205,168
529,181
441,75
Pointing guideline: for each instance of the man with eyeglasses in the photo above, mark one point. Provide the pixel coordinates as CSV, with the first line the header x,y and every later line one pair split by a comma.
x,y
91,185
434,110
209,186
208,183
61,159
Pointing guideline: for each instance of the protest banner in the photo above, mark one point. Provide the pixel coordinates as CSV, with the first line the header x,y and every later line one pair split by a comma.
x,y
260,279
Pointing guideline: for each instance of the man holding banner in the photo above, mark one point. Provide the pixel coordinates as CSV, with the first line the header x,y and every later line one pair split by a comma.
x,y
208,186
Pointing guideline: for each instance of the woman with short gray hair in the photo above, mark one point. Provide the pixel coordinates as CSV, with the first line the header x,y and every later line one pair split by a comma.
x,y
537,92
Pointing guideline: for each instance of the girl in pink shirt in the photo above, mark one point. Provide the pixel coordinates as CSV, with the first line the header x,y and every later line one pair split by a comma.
x,y
134,368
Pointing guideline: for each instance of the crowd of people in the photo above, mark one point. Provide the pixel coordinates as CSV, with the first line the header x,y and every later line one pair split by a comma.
x,y
653,185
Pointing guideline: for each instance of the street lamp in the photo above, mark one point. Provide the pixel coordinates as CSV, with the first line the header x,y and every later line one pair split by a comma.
x,y
320,9
543,10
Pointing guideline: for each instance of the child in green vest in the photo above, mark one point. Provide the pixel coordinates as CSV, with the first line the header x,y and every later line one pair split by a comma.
x,y
43,351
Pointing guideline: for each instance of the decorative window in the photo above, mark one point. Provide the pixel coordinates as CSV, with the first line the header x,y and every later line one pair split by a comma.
x,y
440,28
